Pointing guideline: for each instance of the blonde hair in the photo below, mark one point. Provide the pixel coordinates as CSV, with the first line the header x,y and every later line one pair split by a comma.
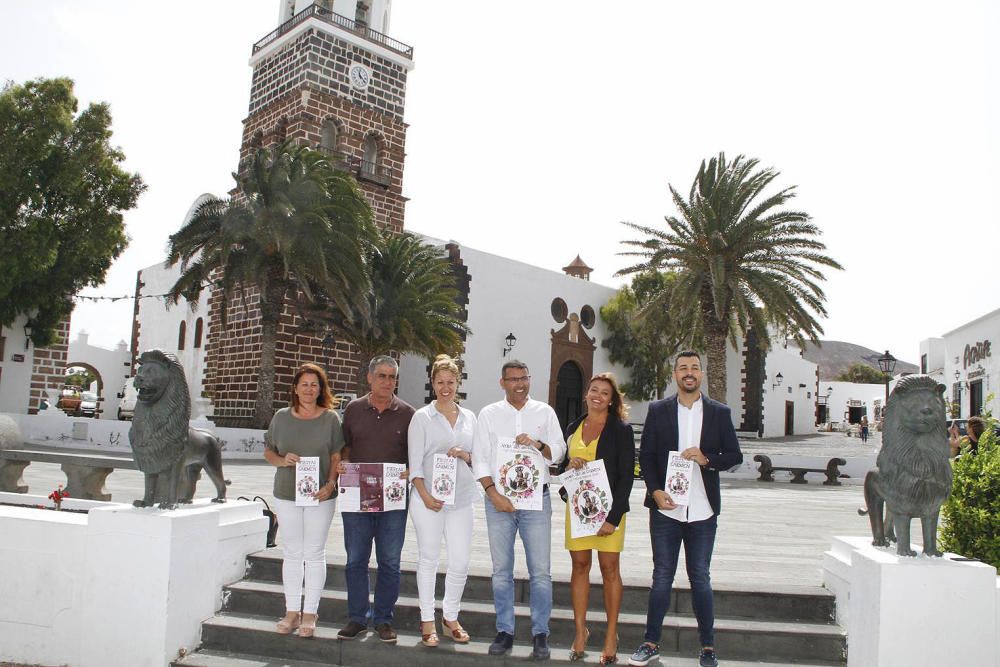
x,y
443,362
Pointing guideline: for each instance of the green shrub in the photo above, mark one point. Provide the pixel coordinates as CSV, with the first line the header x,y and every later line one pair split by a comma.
x,y
971,514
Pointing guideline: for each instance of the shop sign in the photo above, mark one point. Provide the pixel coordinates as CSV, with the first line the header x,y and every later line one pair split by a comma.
x,y
976,353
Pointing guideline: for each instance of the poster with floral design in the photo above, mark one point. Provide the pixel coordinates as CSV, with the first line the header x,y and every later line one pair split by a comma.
x,y
372,487
589,495
519,474
306,481
443,478
678,482
393,487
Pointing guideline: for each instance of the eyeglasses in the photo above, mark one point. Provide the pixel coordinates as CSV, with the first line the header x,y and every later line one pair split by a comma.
x,y
523,378
385,376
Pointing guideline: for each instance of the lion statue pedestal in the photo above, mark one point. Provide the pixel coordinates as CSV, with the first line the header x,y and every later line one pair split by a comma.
x,y
168,452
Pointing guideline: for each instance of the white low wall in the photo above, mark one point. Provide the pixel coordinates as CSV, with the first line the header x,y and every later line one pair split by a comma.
x,y
112,436
118,586
902,611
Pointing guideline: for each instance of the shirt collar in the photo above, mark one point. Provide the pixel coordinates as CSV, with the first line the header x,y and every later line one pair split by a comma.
x,y
393,404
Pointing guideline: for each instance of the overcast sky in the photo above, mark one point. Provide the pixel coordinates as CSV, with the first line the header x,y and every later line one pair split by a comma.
x,y
536,127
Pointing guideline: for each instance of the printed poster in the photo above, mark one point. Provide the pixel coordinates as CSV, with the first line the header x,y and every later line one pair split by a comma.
x,y
444,477
589,497
307,481
519,474
372,487
678,483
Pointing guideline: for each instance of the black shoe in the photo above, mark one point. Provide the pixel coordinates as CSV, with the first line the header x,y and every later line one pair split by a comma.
x,y
385,633
503,643
707,658
541,649
352,630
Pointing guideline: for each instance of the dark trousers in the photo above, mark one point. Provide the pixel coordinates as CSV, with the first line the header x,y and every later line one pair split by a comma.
x,y
386,530
666,535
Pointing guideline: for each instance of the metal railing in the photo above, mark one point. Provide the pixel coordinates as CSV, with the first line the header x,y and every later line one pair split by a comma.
x,y
315,11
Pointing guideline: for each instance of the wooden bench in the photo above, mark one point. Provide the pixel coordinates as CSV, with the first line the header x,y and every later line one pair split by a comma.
x,y
767,470
85,473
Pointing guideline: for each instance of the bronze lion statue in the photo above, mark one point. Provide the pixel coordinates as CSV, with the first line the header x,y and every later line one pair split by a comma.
x,y
169,453
913,475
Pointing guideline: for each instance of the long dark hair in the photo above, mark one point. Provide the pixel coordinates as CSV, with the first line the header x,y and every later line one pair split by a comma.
x,y
617,407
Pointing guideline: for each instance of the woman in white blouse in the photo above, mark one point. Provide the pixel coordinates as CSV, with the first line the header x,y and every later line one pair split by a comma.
x,y
442,428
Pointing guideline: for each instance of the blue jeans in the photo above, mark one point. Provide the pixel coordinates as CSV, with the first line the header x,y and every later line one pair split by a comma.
x,y
386,530
536,535
698,537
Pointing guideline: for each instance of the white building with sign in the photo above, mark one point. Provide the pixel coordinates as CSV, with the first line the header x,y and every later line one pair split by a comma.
x,y
963,361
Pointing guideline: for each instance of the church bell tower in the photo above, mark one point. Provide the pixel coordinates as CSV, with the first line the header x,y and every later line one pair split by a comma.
x,y
329,76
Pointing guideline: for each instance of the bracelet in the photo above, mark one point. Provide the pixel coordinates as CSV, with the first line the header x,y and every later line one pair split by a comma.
x,y
485,489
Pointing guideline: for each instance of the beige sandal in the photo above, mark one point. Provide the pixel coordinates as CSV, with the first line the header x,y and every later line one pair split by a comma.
x,y
429,638
455,631
287,626
308,629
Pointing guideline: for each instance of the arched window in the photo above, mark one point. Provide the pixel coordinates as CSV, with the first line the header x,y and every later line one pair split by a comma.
x,y
281,131
370,160
328,136
198,326
181,331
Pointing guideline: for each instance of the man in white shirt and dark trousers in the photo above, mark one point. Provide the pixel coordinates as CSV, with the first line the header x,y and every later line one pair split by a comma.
x,y
702,431
534,424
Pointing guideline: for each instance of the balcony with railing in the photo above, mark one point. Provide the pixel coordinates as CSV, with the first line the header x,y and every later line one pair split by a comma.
x,y
374,172
325,15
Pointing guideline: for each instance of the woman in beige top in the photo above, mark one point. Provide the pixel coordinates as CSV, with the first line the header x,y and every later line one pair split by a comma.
x,y
308,427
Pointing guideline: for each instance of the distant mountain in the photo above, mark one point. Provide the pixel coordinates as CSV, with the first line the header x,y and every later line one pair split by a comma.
x,y
834,356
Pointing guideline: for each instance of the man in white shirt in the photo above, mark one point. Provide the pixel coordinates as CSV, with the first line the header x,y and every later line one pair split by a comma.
x,y
533,424
702,431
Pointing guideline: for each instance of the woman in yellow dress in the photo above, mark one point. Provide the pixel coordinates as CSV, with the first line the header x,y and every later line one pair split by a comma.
x,y
602,433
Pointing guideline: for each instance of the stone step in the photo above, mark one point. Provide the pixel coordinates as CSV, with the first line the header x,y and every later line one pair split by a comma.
x,y
206,658
418,656
230,640
811,604
736,637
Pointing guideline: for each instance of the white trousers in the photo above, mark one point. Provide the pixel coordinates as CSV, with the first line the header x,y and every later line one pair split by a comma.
x,y
455,526
302,532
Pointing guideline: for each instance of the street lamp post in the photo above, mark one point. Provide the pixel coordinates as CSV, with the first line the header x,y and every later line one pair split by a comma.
x,y
886,364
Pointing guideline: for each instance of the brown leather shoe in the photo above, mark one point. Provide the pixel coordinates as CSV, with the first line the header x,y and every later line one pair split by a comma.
x,y
385,633
352,630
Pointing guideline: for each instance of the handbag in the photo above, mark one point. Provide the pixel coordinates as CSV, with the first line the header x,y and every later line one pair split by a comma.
x,y
272,521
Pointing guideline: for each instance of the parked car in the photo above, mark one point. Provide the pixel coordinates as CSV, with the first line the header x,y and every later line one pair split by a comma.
x,y
88,405
126,400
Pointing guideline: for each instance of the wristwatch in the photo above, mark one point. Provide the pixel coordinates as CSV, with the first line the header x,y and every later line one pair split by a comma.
x,y
541,445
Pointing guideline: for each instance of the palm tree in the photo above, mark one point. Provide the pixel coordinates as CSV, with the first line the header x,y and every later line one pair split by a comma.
x,y
743,262
412,301
643,334
295,226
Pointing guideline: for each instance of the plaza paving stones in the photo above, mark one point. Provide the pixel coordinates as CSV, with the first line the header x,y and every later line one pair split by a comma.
x,y
766,570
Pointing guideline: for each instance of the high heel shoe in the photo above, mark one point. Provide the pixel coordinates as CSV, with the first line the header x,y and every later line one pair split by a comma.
x,y
611,659
287,626
429,638
308,628
578,656
456,631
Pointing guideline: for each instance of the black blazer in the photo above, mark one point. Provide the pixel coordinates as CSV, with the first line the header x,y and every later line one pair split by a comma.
x,y
616,447
659,436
